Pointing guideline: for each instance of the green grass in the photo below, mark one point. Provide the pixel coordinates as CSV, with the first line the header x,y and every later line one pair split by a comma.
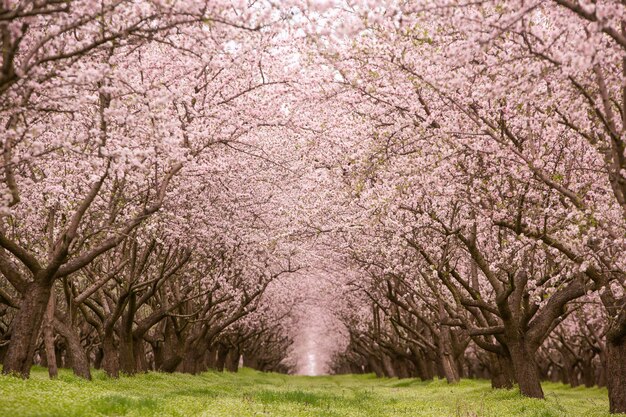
x,y
250,393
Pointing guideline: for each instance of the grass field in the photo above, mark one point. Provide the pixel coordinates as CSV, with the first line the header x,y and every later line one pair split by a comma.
x,y
250,393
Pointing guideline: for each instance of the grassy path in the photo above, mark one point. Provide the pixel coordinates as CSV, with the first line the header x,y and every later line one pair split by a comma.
x,y
250,393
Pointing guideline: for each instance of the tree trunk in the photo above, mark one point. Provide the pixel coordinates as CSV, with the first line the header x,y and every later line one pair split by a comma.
x,y
97,363
192,361
249,361
616,374
168,353
127,353
222,351
601,377
210,357
193,356
48,337
554,373
25,329
459,360
141,357
402,368
448,365
388,367
501,370
75,350
3,348
110,358
171,363
232,360
444,349
570,373
423,367
586,366
375,366
355,368
59,352
526,370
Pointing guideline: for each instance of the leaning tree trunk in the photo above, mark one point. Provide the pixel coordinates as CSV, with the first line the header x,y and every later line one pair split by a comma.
x,y
526,369
616,374
25,328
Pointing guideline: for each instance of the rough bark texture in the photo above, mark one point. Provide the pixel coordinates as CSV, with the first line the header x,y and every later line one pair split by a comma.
x,y
110,358
26,325
616,375
127,354
526,370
